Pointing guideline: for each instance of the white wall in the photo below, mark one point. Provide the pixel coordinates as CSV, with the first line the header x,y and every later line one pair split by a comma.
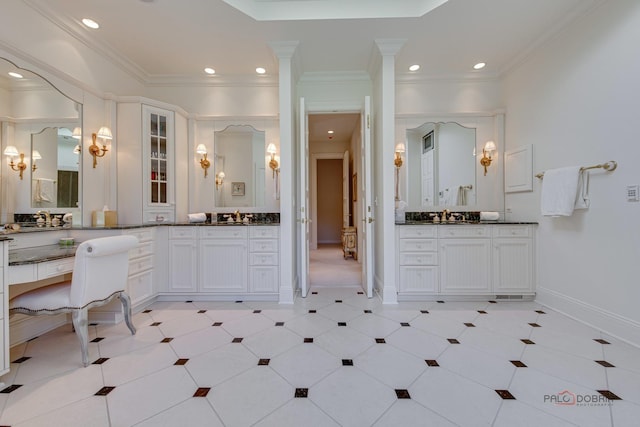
x,y
576,100
329,200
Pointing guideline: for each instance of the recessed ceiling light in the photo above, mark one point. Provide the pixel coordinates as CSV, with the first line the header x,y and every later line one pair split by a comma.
x,y
90,23
16,75
260,70
209,70
330,132
414,67
479,66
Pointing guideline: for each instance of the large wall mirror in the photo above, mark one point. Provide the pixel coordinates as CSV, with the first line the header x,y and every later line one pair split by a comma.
x,y
441,166
40,121
239,167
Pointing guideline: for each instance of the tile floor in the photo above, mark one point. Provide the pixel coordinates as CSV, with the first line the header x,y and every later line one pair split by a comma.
x,y
335,358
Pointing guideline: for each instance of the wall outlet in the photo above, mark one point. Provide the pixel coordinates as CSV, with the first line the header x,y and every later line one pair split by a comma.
x,y
632,193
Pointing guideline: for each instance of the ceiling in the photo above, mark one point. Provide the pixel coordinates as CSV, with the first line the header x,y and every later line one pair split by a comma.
x,y
175,40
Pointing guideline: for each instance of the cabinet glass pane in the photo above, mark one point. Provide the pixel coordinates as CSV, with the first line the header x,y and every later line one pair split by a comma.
x,y
154,192
158,158
154,124
162,127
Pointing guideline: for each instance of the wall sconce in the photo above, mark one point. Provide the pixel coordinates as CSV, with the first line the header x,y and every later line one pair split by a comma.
x,y
273,163
11,151
487,151
35,155
397,161
204,162
219,179
105,134
77,133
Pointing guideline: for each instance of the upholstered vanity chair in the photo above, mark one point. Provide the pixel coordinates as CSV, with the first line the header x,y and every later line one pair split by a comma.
x,y
99,275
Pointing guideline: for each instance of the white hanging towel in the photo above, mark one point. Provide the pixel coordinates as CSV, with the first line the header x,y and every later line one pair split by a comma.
x,y
559,190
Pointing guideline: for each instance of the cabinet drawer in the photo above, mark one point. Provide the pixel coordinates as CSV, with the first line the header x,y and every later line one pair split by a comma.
x,y
143,235
139,265
144,249
511,231
159,216
264,232
428,258
418,280
263,245
22,273
418,245
182,233
416,231
263,259
263,279
55,268
463,231
140,286
223,231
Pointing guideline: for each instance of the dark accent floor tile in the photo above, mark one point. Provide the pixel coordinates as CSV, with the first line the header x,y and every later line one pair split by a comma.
x,y
263,362
527,341
453,341
368,312
482,312
601,341
167,340
314,293
540,312
493,302
93,324
21,359
339,301
236,340
302,392
404,324
469,325
217,324
609,394
202,311
424,311
313,311
605,363
257,311
518,364
202,392
279,323
432,362
156,324
347,362
342,323
10,388
31,339
402,394
505,394
100,361
97,339
181,362
188,301
534,325
440,302
360,293
239,302
104,391
147,311
380,341
308,340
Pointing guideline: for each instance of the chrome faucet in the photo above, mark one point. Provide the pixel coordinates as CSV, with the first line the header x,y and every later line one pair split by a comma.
x,y
445,212
238,217
47,217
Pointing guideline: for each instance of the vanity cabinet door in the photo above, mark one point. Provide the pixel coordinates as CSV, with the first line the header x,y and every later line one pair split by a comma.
x,y
512,265
183,265
223,265
465,266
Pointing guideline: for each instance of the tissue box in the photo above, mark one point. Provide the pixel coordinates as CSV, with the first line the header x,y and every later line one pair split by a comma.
x,y
104,218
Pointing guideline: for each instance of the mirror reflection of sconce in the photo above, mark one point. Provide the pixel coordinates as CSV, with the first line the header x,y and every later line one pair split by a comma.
x,y
397,161
273,163
204,162
11,152
105,134
77,133
487,153
219,179
35,155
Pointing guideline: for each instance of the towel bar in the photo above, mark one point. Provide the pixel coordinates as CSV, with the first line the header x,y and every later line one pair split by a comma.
x,y
609,166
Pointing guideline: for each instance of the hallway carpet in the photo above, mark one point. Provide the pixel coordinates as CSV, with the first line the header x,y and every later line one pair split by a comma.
x,y
327,267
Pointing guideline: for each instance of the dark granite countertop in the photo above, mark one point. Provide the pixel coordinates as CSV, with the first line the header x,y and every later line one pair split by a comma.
x,y
130,226
39,254
466,223
3,238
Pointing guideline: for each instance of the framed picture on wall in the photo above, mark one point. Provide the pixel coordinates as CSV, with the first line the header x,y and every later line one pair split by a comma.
x,y
237,188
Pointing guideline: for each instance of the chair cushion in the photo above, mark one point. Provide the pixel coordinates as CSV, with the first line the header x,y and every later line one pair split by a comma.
x,y
52,298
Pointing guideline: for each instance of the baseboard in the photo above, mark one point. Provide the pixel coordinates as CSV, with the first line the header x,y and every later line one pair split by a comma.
x,y
610,323
173,297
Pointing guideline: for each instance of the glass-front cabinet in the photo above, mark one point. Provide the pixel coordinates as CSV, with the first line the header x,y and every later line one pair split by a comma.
x,y
158,140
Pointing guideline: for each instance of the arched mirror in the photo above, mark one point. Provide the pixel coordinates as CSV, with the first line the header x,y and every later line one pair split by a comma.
x,y
40,122
239,167
441,166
